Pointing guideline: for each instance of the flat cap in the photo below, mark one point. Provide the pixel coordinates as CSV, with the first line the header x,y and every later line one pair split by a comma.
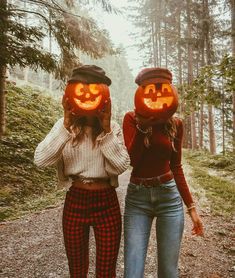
x,y
153,75
89,74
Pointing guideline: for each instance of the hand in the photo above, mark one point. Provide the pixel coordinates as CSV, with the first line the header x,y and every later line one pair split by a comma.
x,y
143,122
197,223
68,114
104,116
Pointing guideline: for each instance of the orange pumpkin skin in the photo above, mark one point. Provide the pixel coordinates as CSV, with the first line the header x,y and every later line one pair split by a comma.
x,y
86,99
156,100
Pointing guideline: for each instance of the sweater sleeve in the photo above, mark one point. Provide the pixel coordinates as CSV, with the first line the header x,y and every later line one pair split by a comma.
x,y
49,151
134,139
112,146
176,166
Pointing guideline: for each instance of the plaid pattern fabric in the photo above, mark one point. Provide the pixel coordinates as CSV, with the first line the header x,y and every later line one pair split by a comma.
x,y
100,209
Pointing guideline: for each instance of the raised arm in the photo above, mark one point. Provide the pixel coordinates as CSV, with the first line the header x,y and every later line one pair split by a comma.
x,y
113,148
49,151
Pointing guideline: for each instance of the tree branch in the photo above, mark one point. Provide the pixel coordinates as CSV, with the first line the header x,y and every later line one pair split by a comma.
x,y
32,12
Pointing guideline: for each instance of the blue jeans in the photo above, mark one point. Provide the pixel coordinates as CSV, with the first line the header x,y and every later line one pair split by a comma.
x,y
141,206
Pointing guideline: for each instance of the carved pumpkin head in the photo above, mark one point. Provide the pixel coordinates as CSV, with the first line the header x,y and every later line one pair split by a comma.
x,y
87,89
156,96
159,100
86,99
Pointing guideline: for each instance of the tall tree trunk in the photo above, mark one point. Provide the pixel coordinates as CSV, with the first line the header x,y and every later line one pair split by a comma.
x,y
201,125
211,129
203,62
159,17
26,69
154,44
209,62
223,119
165,38
179,48
50,50
187,142
193,130
180,77
190,72
155,36
3,69
2,100
232,2
166,46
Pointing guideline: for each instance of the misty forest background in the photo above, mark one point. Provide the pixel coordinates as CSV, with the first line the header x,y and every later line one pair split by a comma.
x,y
42,41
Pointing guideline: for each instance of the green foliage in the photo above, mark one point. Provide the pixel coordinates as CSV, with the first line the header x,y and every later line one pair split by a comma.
x,y
226,71
30,117
20,43
218,162
206,87
215,174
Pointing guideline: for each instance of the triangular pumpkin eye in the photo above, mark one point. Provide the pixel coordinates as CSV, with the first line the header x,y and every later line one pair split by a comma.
x,y
79,89
149,89
94,89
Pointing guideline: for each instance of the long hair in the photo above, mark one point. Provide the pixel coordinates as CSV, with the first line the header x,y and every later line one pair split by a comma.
x,y
79,132
170,130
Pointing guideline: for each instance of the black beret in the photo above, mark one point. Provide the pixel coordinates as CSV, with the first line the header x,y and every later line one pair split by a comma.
x,y
153,75
89,74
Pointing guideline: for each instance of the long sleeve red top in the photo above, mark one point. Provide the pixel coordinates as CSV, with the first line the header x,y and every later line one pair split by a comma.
x,y
159,158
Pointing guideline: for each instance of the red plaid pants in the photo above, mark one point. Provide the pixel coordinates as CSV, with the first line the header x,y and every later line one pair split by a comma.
x,y
100,209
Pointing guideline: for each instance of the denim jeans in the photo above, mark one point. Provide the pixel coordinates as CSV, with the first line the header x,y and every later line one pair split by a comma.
x,y
141,206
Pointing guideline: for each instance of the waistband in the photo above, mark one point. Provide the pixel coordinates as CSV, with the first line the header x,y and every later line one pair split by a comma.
x,y
153,181
91,184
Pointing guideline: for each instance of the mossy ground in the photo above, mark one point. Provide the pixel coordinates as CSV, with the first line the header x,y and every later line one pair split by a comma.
x,y
30,115
216,175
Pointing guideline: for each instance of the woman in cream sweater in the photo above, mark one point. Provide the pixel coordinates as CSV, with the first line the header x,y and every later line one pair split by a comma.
x,y
90,154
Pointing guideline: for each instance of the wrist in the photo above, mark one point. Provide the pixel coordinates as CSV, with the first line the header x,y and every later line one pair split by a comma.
x,y
191,208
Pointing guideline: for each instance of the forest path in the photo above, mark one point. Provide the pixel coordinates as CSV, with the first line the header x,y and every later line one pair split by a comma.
x,y
32,246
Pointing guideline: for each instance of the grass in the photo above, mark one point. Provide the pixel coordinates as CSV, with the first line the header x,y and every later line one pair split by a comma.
x,y
215,175
30,115
32,204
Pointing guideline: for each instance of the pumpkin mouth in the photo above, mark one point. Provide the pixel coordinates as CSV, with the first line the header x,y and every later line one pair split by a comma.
x,y
160,104
89,104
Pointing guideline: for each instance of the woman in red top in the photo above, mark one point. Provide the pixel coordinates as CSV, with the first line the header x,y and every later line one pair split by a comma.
x,y
156,189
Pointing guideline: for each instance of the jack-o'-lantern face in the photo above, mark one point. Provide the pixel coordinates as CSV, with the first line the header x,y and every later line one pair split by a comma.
x,y
159,100
86,98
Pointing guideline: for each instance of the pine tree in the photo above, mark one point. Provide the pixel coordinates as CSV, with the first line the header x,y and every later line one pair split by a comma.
x,y
20,44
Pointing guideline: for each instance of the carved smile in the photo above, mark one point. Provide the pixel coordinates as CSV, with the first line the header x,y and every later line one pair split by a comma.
x,y
160,103
88,104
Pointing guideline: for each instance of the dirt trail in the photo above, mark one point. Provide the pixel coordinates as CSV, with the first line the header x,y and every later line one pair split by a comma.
x,y
32,247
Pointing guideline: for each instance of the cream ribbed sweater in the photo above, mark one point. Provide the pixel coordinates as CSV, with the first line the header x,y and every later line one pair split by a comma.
x,y
108,158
